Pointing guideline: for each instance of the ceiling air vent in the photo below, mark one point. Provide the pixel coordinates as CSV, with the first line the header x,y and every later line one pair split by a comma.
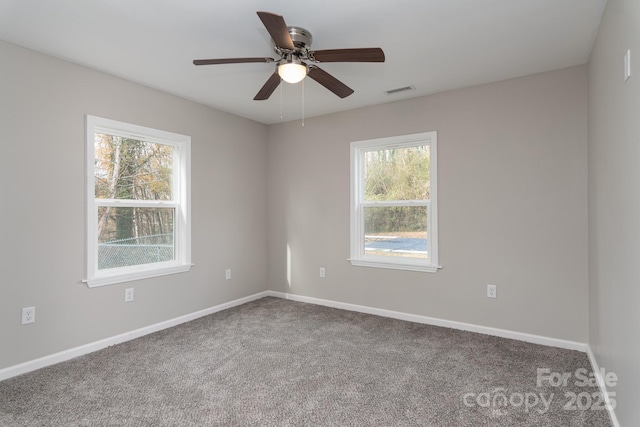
x,y
400,89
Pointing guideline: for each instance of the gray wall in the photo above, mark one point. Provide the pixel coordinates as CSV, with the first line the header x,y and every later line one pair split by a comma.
x,y
512,186
42,106
614,204
512,162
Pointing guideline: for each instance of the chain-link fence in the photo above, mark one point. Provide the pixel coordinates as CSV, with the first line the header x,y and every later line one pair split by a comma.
x,y
135,251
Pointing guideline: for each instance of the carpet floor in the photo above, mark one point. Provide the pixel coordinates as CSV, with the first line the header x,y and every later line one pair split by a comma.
x,y
274,362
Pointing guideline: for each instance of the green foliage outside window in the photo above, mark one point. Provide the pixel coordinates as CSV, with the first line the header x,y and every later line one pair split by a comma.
x,y
395,175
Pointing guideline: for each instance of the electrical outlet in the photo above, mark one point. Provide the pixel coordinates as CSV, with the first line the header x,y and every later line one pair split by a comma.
x,y
492,291
28,315
227,274
321,271
128,295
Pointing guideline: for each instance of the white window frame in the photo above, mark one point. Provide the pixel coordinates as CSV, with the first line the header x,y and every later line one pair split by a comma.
x,y
358,255
181,203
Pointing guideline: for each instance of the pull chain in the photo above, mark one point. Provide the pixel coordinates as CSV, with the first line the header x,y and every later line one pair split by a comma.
x,y
281,84
303,102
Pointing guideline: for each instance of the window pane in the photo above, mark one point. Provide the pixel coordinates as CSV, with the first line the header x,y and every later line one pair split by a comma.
x,y
130,169
397,174
399,231
134,236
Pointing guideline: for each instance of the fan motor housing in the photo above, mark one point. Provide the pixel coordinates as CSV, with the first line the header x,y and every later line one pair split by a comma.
x,y
301,38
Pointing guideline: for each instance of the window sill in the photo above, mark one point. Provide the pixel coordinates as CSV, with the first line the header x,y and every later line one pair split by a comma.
x,y
396,265
110,279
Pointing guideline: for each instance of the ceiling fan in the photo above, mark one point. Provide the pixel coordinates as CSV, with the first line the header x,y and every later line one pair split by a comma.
x,y
293,44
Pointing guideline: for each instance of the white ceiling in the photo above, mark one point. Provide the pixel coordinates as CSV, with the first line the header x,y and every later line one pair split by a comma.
x,y
434,45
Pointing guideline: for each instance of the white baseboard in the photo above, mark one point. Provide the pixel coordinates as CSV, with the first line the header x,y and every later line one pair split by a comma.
x,y
520,336
603,387
62,356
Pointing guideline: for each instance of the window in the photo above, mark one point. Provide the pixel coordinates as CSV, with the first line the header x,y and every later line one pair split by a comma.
x,y
393,203
138,187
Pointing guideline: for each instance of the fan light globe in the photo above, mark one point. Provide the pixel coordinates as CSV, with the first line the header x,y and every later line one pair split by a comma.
x,y
292,72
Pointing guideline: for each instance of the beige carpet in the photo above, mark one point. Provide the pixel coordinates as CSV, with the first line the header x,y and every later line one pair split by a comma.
x,y
274,362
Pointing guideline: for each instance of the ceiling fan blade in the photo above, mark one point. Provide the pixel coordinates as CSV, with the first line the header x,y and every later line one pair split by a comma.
x,y
330,82
373,54
268,88
230,61
277,29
